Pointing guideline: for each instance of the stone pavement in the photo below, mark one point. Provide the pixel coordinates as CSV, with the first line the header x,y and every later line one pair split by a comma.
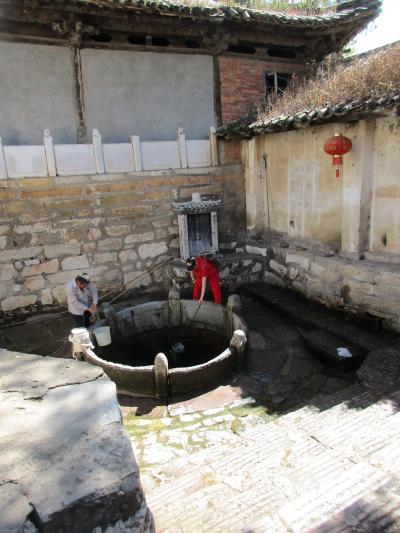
x,y
333,465
228,460
291,445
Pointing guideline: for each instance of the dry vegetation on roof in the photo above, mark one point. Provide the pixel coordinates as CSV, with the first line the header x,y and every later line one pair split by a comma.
x,y
371,77
287,7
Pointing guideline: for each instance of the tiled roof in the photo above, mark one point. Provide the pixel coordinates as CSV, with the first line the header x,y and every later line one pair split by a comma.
x,y
242,129
350,11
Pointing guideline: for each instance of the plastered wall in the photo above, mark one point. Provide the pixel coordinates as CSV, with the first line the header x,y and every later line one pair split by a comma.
x,y
148,94
291,185
36,92
124,93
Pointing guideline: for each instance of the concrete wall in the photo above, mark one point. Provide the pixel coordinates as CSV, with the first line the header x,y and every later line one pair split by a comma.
x,y
148,94
36,92
115,226
291,186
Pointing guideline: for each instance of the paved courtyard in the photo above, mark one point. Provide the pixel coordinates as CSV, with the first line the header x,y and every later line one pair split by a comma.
x,y
290,445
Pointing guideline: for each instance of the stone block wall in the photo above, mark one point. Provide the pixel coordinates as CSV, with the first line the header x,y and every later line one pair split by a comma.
x,y
357,287
114,226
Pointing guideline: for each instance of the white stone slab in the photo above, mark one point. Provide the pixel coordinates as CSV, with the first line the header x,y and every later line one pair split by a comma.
x,y
118,157
160,155
25,161
75,159
198,154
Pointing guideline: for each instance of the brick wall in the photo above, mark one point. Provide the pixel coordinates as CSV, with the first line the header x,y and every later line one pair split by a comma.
x,y
114,226
242,83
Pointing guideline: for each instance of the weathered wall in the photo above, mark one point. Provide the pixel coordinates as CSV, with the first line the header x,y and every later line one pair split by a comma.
x,y
148,94
124,92
385,208
357,287
115,226
242,83
36,92
291,186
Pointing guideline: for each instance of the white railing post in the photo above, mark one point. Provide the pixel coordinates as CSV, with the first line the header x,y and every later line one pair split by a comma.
x,y
49,151
182,148
98,152
137,155
3,166
213,146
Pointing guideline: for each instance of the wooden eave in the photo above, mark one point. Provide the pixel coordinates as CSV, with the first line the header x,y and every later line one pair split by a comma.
x,y
33,18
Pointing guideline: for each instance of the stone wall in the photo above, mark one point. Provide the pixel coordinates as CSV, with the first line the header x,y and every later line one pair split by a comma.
x,y
363,288
114,226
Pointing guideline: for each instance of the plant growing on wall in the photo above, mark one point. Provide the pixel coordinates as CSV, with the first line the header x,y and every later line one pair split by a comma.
x,y
308,7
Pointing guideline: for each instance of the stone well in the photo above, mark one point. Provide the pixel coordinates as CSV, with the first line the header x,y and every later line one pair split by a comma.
x,y
159,379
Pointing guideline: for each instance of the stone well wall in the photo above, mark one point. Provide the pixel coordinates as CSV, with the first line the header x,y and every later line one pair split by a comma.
x,y
357,287
114,226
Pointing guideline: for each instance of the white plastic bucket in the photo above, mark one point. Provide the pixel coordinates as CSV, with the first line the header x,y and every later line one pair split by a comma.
x,y
103,335
79,338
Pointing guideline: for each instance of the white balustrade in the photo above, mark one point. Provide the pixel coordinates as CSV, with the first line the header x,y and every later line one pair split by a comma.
x,y
52,159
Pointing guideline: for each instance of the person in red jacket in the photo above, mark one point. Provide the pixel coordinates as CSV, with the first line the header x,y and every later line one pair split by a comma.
x,y
201,270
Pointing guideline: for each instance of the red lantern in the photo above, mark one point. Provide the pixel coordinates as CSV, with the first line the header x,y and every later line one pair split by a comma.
x,y
337,146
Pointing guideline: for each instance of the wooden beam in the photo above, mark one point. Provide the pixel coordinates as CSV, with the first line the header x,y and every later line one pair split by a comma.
x,y
79,96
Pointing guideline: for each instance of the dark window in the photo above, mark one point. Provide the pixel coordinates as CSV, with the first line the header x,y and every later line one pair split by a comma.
x,y
276,82
281,51
136,39
102,38
241,49
192,44
160,41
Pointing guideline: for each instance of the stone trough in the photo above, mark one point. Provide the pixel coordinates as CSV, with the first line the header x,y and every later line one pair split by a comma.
x,y
161,379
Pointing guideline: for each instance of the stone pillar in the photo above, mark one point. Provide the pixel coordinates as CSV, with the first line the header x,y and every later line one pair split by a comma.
x,y
3,166
238,343
161,376
174,305
109,313
182,148
49,151
213,146
357,191
233,305
137,153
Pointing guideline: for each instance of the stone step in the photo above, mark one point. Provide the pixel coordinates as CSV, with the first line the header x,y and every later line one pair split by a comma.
x,y
311,315
326,344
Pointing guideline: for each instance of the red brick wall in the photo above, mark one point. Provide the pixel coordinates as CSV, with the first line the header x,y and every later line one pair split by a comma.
x,y
242,83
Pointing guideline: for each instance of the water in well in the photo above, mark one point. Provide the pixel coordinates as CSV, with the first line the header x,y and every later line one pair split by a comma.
x,y
183,347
